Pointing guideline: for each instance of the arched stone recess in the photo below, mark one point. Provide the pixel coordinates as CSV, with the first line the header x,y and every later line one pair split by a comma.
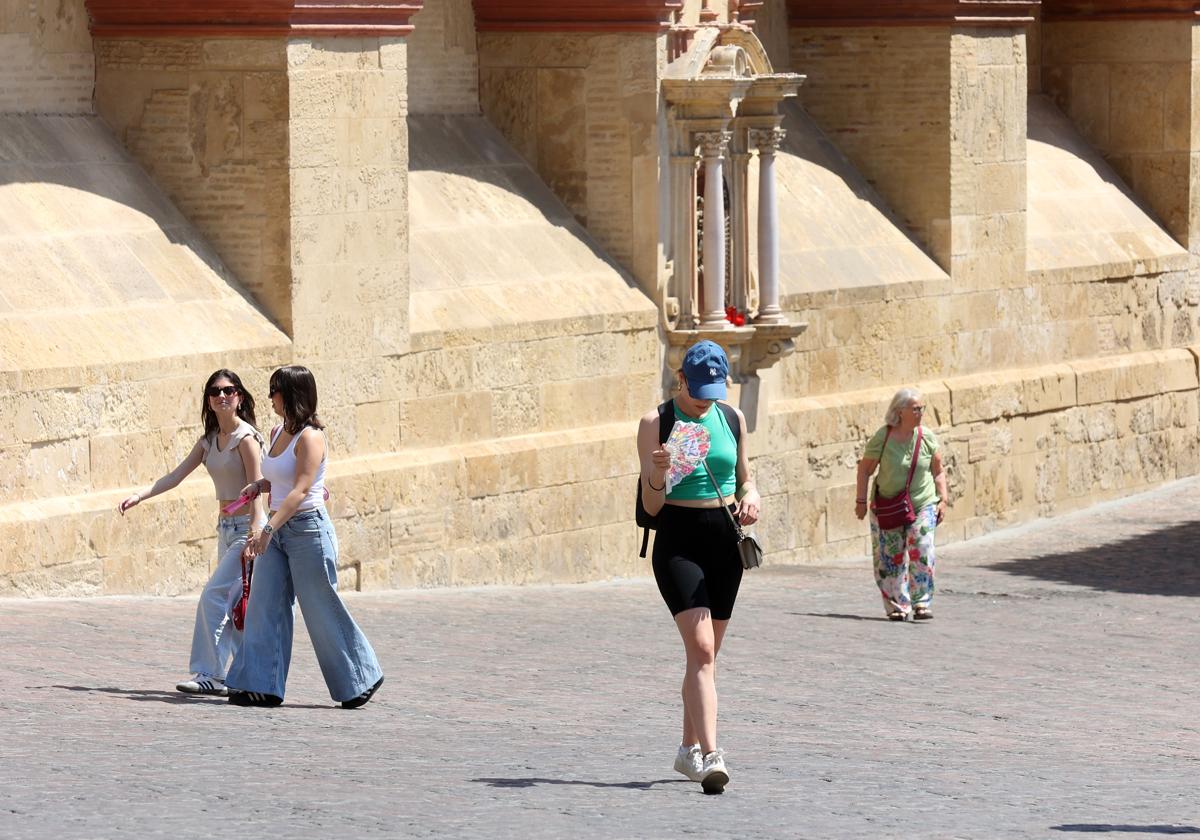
x,y
724,106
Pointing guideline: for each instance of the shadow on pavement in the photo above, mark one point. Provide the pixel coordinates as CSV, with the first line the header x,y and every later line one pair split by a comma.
x,y
174,698
847,616
533,781
1162,562
1128,829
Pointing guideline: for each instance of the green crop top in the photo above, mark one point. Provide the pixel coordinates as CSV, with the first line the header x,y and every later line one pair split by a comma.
x,y
722,458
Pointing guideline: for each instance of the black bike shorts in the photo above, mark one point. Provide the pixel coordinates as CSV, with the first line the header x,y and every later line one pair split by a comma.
x,y
696,562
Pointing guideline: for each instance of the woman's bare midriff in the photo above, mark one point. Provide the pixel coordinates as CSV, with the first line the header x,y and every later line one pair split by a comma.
x,y
695,503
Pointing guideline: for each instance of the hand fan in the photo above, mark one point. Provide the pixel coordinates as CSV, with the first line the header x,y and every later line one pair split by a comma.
x,y
688,445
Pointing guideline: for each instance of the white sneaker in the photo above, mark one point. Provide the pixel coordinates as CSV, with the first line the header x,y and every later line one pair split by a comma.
x,y
714,775
689,761
200,684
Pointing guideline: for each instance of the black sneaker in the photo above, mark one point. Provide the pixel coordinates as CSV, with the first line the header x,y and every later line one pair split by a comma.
x,y
253,698
361,700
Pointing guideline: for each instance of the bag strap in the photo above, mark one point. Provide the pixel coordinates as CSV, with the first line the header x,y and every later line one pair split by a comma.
x,y
666,420
912,468
737,528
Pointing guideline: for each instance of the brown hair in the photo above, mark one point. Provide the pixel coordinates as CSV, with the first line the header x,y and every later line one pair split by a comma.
x,y
245,409
298,388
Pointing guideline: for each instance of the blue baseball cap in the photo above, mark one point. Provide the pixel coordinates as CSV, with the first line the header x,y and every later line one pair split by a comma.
x,y
705,367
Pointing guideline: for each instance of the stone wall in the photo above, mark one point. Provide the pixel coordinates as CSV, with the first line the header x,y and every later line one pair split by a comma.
x,y
208,120
1130,88
46,61
1018,444
348,215
443,59
583,110
882,97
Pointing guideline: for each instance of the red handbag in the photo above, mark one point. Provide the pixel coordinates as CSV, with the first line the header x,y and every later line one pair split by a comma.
x,y
238,613
897,511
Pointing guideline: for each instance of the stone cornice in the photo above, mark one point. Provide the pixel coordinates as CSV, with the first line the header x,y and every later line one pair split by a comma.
x,y
1000,13
575,15
1063,10
251,18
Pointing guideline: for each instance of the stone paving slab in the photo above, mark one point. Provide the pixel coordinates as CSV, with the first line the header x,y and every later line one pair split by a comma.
x,y
1054,695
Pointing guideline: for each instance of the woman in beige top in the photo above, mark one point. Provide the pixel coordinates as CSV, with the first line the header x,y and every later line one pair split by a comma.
x,y
231,450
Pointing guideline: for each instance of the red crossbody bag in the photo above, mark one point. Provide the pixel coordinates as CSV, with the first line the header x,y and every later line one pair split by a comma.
x,y
897,511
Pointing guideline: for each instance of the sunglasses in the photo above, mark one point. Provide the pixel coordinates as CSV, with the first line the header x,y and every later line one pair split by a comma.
x,y
223,391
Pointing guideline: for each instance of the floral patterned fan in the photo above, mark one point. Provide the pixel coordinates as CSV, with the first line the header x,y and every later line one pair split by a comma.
x,y
688,445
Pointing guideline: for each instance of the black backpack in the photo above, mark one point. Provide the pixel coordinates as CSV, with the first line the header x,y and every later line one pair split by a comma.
x,y
666,422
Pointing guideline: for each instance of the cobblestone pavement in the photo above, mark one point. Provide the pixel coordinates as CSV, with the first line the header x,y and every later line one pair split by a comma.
x,y
1054,695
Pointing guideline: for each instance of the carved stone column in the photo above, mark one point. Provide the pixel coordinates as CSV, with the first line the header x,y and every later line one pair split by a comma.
x,y
683,235
767,141
739,222
713,145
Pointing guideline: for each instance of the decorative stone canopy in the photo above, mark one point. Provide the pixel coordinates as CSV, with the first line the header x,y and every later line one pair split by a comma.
x,y
1058,10
576,15
252,18
723,101
1001,13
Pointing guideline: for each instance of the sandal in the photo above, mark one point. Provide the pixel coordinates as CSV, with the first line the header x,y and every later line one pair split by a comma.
x,y
897,615
922,613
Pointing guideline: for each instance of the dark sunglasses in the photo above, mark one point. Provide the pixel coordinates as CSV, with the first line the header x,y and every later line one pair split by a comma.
x,y
223,391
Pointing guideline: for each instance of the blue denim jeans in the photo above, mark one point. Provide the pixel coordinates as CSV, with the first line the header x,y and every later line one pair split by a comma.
x,y
301,562
215,640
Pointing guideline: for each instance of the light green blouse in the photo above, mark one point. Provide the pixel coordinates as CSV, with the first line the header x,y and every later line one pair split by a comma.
x,y
894,461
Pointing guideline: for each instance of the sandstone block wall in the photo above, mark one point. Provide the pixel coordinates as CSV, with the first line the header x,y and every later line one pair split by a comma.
x,y
1018,444
882,97
583,110
348,216
465,284
443,59
1130,88
208,119
46,57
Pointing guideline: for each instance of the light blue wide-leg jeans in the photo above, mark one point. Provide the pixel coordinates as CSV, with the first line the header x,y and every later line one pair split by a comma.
x,y
214,639
301,561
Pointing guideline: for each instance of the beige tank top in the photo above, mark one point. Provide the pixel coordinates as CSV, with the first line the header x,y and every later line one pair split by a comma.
x,y
225,465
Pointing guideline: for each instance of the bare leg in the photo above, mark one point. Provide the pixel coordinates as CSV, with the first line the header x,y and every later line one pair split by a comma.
x,y
702,637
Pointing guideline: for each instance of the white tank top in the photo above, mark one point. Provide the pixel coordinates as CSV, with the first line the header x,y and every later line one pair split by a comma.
x,y
281,472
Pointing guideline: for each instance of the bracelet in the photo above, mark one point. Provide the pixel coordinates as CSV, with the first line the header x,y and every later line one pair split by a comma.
x,y
652,487
860,501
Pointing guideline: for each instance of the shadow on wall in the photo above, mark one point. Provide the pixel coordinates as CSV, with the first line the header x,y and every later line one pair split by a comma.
x,y
469,185
1163,562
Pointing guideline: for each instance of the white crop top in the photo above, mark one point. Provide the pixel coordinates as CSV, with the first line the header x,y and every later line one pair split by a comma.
x,y
281,472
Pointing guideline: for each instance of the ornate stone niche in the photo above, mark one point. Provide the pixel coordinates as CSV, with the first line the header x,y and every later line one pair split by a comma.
x,y
723,108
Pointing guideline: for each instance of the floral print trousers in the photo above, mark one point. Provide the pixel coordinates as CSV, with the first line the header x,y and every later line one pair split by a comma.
x,y
904,562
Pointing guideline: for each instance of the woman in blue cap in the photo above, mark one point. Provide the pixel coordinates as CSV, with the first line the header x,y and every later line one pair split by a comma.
x,y
696,561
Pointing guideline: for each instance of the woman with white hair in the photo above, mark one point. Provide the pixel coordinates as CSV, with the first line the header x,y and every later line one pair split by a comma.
x,y
907,505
